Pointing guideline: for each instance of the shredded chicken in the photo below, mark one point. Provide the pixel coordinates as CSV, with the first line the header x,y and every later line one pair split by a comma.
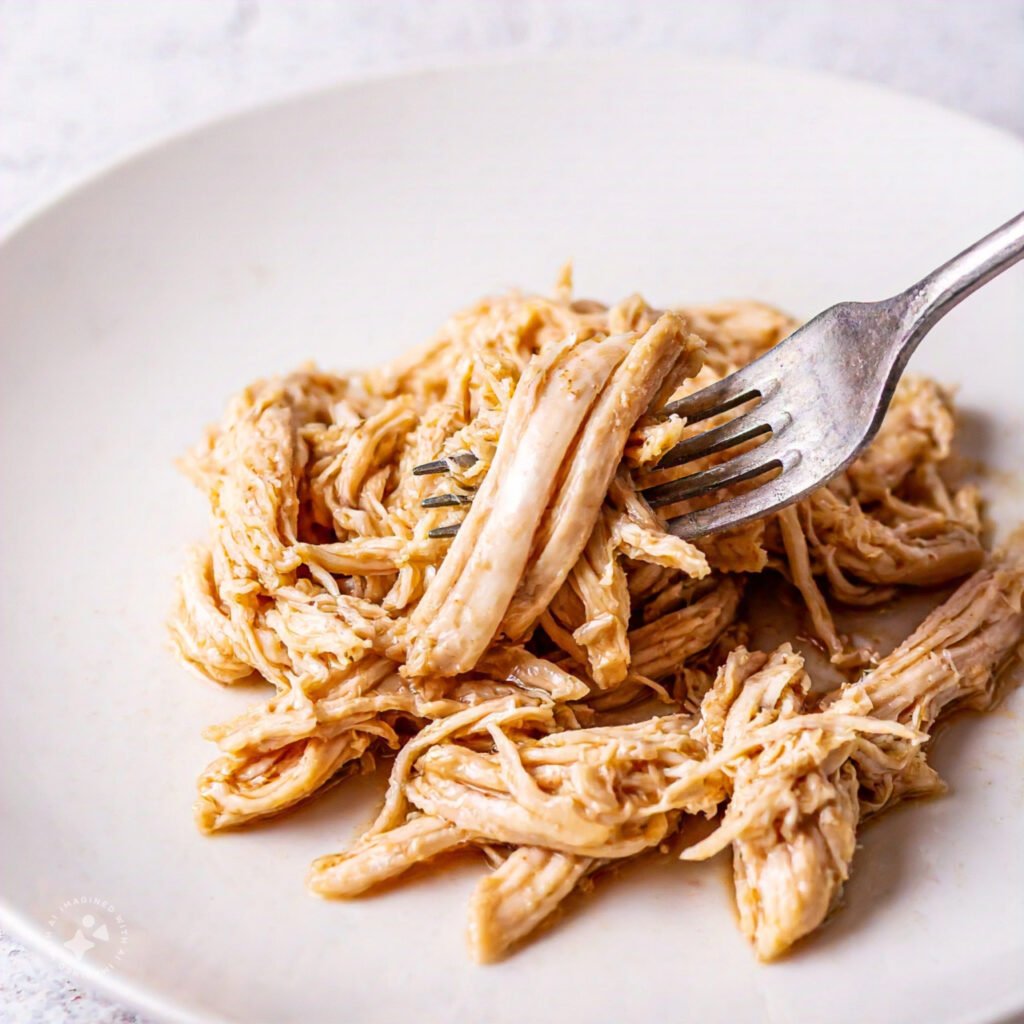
x,y
796,800
565,682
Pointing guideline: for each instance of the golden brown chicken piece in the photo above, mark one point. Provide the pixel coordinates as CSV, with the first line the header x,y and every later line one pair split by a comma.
x,y
797,799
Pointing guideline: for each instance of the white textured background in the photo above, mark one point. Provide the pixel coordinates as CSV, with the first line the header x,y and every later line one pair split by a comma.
x,y
83,81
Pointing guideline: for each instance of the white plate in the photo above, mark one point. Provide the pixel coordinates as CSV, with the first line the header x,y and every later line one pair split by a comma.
x,y
344,226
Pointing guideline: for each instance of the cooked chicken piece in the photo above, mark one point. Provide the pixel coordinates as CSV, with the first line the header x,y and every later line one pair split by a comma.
x,y
465,602
684,617
793,814
298,642
236,790
631,314
652,439
736,333
365,556
372,445
641,535
383,856
359,693
592,464
517,896
253,465
924,550
669,594
561,619
795,545
519,666
606,707
784,890
365,703
595,601
588,792
203,634
917,430
279,753
740,549
797,800
662,646
599,783
832,536
599,581
951,660
647,579
518,712
405,516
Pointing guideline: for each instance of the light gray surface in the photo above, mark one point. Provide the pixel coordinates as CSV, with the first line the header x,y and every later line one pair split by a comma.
x,y
83,81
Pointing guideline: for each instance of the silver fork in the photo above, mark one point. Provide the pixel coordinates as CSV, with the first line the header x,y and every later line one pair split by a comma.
x,y
817,398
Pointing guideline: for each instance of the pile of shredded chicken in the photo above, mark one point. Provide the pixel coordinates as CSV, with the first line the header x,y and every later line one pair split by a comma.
x,y
500,666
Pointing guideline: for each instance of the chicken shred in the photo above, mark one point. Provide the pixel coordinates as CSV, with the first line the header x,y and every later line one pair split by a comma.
x,y
566,682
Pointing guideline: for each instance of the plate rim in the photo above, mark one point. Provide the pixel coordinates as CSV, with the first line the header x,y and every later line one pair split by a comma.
x,y
108,984
147,144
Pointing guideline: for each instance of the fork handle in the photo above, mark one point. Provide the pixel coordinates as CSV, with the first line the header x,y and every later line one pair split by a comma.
x,y
928,301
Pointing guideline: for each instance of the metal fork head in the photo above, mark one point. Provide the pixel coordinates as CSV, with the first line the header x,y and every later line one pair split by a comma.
x,y
818,398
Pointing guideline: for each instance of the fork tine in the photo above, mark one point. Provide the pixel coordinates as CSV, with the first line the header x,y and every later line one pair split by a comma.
x,y
742,428
783,489
430,468
743,467
721,396
444,531
446,500
461,459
